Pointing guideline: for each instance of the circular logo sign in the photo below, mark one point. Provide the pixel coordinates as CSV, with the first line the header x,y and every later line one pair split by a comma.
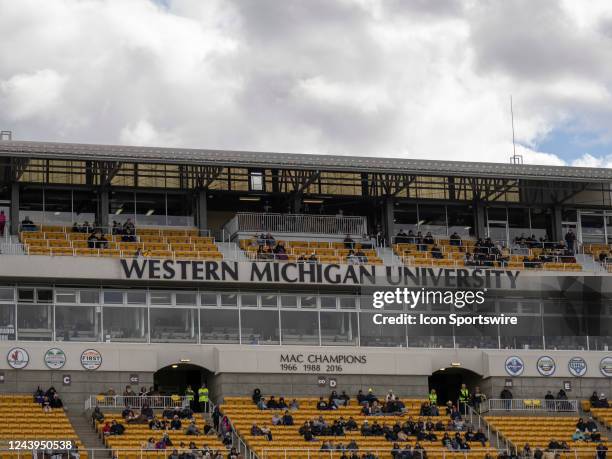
x,y
55,358
18,358
514,366
605,366
546,366
577,366
91,359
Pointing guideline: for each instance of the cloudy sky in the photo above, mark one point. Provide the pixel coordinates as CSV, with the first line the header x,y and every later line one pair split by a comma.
x,y
406,78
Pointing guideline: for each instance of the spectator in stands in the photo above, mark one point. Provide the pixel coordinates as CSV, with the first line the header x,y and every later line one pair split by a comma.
x,y
570,240
28,225
478,398
116,228
127,413
149,444
97,416
594,437
351,425
279,252
401,237
256,395
361,256
56,401
578,435
436,252
287,419
272,404
281,404
506,395
116,428
322,404
312,258
261,404
601,402
46,404
129,226
192,429
294,405
269,239
276,419
455,239
601,450
428,239
348,242
176,423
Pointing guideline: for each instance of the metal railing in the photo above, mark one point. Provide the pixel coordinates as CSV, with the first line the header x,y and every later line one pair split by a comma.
x,y
296,223
136,401
532,405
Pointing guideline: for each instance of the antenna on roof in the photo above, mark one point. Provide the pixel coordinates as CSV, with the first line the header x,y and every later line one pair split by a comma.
x,y
514,159
6,135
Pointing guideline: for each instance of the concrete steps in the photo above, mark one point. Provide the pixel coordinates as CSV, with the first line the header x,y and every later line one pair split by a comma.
x,y
81,423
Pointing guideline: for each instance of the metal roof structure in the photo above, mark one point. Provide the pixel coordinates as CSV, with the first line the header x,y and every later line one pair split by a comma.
x,y
268,160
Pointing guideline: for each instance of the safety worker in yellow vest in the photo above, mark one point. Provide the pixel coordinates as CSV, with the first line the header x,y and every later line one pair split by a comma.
x,y
190,394
433,397
464,398
203,399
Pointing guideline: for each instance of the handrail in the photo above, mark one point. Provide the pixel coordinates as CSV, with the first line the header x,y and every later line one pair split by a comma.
x,y
137,401
533,405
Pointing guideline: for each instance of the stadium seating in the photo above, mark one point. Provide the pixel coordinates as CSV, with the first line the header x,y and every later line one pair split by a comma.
x,y
538,431
243,413
603,415
136,435
453,256
325,251
153,242
23,419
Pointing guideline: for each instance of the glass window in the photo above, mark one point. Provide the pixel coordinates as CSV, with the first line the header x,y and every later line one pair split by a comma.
x,y
219,326
476,336
300,327
569,215
113,297
347,302
180,210
122,207
229,300
89,296
460,220
432,219
269,301
541,223
592,228
85,205
256,182
58,206
7,294
208,299
150,209
288,301
157,297
518,223
65,296
380,335
7,322
497,214
174,325
31,204
44,295
129,324
308,302
186,298
527,334
25,295
77,323
431,336
328,302
259,327
338,328
248,300
35,322
136,297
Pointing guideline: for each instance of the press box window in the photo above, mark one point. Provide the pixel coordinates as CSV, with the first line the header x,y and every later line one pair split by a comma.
x,y
25,295
256,181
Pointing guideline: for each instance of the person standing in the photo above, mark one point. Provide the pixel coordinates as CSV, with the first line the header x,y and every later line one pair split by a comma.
x,y
190,394
203,398
2,222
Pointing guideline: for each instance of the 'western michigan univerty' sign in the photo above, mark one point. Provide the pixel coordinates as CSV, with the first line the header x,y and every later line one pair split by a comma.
x,y
313,273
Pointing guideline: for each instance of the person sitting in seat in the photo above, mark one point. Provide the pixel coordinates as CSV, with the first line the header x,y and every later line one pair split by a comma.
x,y
261,404
28,225
192,429
578,435
436,253
255,430
348,242
287,419
116,428
401,237
279,252
313,258
455,239
322,404
176,423
361,256
272,403
256,395
428,239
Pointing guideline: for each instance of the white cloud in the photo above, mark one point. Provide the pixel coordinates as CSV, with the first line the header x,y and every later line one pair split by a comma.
x,y
368,77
